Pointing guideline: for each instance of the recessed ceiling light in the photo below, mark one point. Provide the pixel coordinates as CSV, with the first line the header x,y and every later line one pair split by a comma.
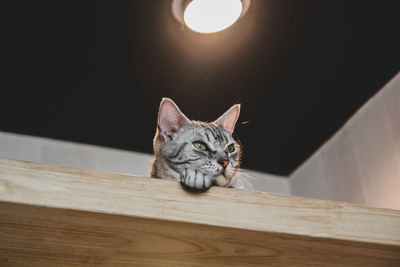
x,y
208,16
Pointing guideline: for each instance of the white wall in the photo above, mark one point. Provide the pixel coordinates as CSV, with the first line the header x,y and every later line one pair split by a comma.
x,y
361,162
28,148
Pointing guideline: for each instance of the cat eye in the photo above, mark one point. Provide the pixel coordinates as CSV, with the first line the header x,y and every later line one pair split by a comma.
x,y
230,148
200,146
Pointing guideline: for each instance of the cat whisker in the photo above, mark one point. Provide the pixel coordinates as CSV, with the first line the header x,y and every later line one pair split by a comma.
x,y
249,177
246,183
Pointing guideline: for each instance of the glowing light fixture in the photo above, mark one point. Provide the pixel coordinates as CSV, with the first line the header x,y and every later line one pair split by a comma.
x,y
208,16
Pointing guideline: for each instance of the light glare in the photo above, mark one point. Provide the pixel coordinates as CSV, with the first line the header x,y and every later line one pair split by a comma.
x,y
207,16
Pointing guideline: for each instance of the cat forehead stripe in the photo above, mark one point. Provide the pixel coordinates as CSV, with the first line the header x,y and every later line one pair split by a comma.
x,y
218,133
210,132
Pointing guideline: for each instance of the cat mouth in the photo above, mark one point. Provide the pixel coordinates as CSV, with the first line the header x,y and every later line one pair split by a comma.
x,y
226,178
220,179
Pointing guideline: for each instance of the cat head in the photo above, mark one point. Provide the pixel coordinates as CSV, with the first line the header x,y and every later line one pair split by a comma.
x,y
208,146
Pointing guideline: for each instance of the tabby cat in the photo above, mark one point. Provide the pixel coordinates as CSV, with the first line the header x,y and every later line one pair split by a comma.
x,y
197,154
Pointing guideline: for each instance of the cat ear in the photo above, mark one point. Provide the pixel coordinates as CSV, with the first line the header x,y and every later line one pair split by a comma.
x,y
229,118
170,118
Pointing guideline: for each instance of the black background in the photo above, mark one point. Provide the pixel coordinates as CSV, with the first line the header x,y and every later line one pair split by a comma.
x,y
95,71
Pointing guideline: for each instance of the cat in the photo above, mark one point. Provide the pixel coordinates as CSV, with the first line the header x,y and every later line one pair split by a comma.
x,y
195,153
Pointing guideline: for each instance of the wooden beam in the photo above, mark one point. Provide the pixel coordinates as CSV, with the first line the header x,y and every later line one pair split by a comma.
x,y
64,216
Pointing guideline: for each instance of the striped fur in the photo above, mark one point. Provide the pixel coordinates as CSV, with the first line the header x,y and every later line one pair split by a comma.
x,y
177,158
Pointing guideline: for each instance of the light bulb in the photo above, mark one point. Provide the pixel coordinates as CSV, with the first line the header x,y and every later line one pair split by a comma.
x,y
207,16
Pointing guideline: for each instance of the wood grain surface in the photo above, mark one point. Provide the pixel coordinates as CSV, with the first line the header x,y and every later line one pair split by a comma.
x,y
59,216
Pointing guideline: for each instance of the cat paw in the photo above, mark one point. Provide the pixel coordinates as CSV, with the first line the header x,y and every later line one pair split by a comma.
x,y
195,180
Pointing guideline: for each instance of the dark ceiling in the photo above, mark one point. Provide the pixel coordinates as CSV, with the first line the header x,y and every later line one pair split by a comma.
x,y
95,71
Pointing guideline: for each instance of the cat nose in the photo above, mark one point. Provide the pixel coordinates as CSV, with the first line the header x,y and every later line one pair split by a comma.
x,y
223,163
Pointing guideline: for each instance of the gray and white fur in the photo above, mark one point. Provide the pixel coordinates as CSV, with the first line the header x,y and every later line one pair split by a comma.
x,y
196,154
